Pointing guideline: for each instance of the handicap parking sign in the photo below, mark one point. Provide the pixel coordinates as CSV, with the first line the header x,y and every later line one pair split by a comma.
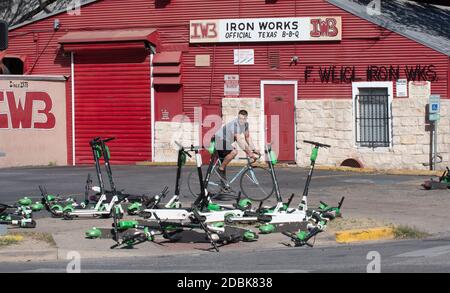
x,y
434,107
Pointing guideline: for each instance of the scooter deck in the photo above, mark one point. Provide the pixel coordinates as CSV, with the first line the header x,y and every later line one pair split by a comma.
x,y
109,233
289,227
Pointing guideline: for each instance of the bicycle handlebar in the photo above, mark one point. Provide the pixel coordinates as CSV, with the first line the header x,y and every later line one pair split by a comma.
x,y
317,144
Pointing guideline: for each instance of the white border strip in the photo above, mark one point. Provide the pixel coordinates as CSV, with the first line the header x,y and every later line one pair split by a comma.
x,y
72,72
152,102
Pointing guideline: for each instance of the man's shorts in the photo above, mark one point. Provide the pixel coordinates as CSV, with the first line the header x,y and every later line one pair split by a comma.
x,y
223,153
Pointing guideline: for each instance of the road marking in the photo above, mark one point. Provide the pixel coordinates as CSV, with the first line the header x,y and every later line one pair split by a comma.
x,y
429,252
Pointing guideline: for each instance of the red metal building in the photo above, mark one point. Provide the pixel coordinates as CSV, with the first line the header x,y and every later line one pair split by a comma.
x,y
133,63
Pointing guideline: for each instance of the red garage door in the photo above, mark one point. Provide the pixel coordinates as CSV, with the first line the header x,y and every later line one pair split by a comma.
x,y
112,99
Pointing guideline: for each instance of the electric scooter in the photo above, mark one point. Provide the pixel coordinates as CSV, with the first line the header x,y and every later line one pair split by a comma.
x,y
317,220
57,205
20,215
101,150
443,183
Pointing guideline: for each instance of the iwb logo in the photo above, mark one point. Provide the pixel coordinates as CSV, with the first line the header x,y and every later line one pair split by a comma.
x,y
203,30
31,111
74,7
324,28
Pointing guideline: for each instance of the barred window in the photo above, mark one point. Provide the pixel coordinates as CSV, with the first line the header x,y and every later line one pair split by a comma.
x,y
373,117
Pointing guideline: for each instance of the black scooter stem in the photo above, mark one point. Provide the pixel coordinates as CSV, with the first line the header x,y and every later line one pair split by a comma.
x,y
108,165
93,144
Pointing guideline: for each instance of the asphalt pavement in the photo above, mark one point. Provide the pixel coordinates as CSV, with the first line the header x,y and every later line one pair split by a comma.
x,y
413,256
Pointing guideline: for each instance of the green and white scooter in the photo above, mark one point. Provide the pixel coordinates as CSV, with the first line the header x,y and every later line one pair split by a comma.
x,y
21,214
317,219
57,205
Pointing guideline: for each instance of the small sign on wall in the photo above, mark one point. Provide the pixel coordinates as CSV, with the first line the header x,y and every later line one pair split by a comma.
x,y
419,89
244,57
231,87
402,88
202,60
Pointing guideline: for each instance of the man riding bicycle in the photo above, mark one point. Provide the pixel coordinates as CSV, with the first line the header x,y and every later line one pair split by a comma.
x,y
236,131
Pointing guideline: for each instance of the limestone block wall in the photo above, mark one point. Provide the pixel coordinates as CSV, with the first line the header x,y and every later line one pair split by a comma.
x,y
332,121
230,110
166,133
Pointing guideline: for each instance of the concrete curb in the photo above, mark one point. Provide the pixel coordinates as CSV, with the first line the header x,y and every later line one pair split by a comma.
x,y
173,164
34,255
380,233
385,171
324,168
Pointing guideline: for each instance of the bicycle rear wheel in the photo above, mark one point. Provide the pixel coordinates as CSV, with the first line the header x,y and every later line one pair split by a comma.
x,y
215,188
257,184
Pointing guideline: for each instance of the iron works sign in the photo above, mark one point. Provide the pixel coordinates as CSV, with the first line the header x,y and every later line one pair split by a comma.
x,y
321,28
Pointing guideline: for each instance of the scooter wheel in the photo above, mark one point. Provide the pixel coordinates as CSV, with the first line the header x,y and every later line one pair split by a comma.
x,y
427,185
328,216
67,216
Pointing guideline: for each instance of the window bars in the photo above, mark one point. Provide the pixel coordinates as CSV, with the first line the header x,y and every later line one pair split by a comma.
x,y
372,120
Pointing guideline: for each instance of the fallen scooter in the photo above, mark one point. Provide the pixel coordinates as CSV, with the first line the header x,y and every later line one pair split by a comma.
x,y
443,183
21,214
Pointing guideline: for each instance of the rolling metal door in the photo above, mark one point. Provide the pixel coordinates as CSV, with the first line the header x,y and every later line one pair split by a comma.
x,y
112,99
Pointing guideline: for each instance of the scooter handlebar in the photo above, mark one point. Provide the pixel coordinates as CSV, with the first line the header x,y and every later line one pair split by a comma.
x,y
189,148
109,139
98,140
318,144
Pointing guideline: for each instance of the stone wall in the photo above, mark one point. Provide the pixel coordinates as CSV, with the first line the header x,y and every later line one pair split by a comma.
x,y
166,133
332,122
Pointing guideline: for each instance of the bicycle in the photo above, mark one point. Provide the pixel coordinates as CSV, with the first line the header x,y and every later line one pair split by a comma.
x,y
255,182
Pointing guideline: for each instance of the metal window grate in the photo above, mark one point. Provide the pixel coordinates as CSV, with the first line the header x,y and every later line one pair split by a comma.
x,y
274,59
372,120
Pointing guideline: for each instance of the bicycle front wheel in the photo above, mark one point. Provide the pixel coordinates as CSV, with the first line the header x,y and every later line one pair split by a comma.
x,y
257,184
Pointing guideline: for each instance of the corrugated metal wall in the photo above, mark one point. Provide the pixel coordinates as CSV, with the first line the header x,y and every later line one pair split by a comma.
x,y
112,99
363,44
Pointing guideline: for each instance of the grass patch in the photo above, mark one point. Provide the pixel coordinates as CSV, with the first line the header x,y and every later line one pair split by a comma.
x,y
407,232
37,236
10,240
340,224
